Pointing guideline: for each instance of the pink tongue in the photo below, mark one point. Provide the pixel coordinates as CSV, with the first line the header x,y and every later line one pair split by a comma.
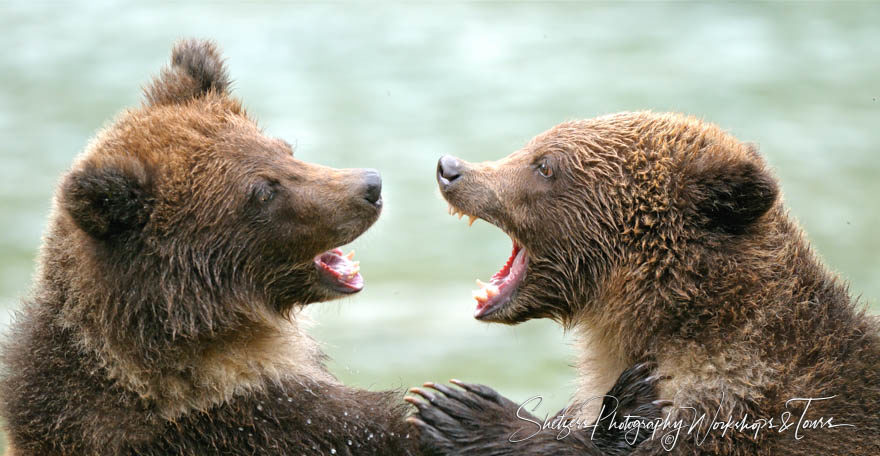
x,y
345,268
341,268
508,276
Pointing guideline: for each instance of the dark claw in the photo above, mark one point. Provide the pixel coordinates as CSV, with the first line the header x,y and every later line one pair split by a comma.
x,y
636,391
415,421
481,390
475,419
426,394
463,420
454,404
637,372
456,394
428,435
417,403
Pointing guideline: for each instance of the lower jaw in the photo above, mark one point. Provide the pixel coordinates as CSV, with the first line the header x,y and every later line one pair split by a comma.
x,y
337,288
504,288
485,312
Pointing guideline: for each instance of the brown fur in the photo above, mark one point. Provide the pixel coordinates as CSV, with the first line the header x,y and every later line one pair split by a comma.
x,y
661,236
165,317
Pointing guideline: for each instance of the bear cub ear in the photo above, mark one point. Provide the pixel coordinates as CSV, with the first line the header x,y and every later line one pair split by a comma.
x,y
109,199
732,196
196,69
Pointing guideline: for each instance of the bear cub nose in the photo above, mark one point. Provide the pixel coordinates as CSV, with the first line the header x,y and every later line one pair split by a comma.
x,y
448,170
373,183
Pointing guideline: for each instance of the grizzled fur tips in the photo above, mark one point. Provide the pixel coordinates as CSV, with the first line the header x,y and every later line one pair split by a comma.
x,y
661,236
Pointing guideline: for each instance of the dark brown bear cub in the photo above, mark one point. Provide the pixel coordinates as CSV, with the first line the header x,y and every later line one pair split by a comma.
x,y
165,318
658,236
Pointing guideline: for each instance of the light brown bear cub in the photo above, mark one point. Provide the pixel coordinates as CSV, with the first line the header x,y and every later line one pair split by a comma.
x,y
659,236
165,315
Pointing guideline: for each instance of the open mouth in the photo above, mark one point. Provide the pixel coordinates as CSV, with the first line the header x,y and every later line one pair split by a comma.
x,y
494,295
339,272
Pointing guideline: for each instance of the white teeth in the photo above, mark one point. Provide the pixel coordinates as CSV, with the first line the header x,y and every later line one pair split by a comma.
x,y
453,211
492,291
487,291
355,269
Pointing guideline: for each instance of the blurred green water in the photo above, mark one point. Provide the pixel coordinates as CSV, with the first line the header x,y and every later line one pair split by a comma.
x,y
396,86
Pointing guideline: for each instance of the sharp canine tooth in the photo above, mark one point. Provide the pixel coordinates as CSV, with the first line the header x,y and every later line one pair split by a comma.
x,y
481,284
471,220
460,215
350,255
450,210
492,291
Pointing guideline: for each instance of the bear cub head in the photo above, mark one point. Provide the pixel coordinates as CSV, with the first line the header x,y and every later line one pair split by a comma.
x,y
184,233
190,183
616,209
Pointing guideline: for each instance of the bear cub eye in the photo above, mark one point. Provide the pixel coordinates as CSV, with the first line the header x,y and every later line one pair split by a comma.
x,y
544,168
264,192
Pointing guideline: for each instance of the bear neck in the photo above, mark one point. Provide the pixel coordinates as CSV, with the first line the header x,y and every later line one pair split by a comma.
x,y
124,327
708,293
